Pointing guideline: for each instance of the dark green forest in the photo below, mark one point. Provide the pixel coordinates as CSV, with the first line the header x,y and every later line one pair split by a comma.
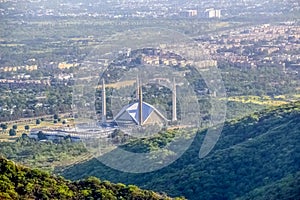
x,y
48,156
18,182
254,156
286,188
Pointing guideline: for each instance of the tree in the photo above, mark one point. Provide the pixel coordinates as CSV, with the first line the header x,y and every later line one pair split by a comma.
x,y
27,127
55,116
15,126
41,135
3,126
24,135
37,121
12,132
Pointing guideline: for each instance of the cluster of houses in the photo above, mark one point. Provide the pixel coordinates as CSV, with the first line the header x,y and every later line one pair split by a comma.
x,y
256,46
19,68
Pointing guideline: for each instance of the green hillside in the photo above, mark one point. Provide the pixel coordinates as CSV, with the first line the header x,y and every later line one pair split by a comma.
x,y
252,154
47,156
18,182
286,188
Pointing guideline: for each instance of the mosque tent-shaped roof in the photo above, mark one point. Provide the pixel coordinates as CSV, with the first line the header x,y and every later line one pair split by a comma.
x,y
129,115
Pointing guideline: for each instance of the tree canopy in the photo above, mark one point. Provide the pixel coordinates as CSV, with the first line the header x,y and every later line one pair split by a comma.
x,y
18,182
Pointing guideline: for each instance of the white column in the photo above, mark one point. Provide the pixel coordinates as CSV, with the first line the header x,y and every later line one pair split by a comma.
x,y
174,106
103,102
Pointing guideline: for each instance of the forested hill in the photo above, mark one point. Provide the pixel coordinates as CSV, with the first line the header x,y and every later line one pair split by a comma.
x,y
253,155
17,182
286,188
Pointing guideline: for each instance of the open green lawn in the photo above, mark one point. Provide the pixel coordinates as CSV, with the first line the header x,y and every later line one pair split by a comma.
x,y
47,123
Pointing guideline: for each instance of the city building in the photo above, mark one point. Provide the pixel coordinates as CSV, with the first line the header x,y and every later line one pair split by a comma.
x,y
188,13
139,113
212,13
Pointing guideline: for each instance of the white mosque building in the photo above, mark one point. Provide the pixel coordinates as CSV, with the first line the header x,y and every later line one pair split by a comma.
x,y
140,113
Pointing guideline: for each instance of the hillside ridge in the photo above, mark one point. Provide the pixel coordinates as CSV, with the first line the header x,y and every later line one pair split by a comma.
x,y
251,153
19,182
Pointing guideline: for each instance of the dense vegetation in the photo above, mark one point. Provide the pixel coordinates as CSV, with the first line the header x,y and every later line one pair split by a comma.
x,y
18,182
48,156
286,188
260,81
29,101
253,155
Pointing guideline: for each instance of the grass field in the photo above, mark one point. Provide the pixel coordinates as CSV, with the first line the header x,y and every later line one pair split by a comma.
x,y
119,85
47,123
265,100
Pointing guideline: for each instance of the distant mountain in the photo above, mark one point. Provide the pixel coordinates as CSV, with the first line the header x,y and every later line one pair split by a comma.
x,y
18,182
254,155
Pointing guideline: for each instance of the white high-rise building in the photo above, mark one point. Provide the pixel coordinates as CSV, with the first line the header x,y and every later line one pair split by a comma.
x,y
212,13
218,13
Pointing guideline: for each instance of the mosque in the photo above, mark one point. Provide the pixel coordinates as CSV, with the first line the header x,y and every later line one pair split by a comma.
x,y
139,113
